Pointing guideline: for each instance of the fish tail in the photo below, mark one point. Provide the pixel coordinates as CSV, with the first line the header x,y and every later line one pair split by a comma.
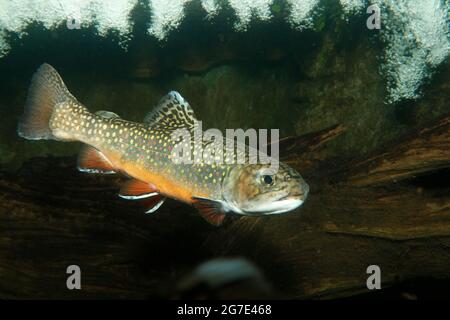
x,y
48,102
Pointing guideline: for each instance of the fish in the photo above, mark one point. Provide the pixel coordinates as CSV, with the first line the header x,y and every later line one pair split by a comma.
x,y
143,152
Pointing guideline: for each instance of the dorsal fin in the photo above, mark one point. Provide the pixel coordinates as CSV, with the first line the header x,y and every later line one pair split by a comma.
x,y
92,160
107,114
173,112
210,210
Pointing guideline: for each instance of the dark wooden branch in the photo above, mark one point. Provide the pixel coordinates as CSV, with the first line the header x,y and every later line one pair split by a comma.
x,y
52,216
294,146
426,150
305,152
357,215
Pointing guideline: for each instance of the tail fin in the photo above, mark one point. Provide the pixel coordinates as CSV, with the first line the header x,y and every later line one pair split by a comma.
x,y
47,90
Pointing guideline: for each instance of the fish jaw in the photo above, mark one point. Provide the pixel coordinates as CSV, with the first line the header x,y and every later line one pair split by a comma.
x,y
279,207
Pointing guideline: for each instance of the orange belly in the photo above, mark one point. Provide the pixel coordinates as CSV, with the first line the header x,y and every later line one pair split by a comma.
x,y
165,185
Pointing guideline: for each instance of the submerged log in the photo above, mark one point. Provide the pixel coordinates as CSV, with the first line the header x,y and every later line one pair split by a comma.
x,y
357,216
427,149
391,209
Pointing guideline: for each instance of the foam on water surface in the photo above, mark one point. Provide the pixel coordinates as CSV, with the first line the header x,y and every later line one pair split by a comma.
x,y
245,9
166,16
16,15
413,32
301,13
353,6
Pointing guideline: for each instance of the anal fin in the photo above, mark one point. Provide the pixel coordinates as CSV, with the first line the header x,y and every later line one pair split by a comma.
x,y
92,160
210,210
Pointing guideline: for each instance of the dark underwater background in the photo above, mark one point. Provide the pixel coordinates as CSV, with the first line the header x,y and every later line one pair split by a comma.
x,y
270,75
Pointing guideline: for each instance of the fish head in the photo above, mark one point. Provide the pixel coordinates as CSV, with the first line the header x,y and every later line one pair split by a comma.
x,y
256,189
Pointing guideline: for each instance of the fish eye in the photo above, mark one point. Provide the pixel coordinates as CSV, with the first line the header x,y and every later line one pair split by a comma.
x,y
287,177
268,179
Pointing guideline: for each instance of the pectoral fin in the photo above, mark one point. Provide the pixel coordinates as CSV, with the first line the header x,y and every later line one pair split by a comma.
x,y
210,210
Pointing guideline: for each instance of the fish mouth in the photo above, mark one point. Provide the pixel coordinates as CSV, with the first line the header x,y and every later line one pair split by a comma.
x,y
288,204
292,197
297,196
301,195
277,207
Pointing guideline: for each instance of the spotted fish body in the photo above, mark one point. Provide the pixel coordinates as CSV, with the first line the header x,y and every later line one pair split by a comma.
x,y
141,151
144,151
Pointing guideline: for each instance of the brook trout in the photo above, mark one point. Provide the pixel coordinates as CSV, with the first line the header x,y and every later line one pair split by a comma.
x,y
143,151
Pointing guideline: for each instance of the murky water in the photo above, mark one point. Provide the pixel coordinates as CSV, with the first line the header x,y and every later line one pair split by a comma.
x,y
376,70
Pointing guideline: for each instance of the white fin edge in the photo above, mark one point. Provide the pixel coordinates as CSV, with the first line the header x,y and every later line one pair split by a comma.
x,y
156,206
95,171
143,196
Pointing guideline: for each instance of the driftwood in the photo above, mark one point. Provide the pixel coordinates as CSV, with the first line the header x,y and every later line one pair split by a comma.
x,y
391,209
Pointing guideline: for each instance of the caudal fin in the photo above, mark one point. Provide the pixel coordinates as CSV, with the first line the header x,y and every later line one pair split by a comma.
x,y
47,90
